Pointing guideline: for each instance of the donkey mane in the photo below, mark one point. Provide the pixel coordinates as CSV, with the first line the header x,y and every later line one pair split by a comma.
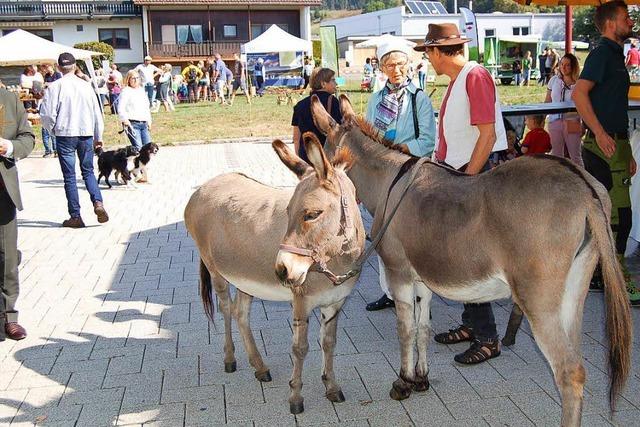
x,y
369,130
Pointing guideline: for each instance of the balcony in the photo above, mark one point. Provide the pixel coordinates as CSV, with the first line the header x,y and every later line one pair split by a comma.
x,y
11,11
159,50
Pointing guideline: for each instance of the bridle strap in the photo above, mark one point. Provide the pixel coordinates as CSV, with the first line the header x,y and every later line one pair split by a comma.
x,y
297,251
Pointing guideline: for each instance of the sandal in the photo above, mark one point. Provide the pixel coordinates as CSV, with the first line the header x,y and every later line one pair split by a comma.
x,y
479,352
454,336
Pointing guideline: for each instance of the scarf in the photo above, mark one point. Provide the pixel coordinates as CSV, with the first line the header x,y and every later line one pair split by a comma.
x,y
388,109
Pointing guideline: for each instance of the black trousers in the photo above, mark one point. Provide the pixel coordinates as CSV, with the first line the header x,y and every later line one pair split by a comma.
x,y
9,257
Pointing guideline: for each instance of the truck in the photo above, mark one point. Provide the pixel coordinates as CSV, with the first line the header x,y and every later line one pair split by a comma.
x,y
501,52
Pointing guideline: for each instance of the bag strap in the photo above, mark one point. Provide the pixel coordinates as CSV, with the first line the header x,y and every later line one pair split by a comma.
x,y
416,128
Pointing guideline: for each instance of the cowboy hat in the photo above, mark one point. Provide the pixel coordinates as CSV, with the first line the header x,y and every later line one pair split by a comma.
x,y
442,35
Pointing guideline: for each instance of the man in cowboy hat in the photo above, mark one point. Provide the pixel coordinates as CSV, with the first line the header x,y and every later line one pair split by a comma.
x,y
470,128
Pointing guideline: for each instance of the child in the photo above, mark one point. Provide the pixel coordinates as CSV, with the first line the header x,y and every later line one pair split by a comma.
x,y
537,141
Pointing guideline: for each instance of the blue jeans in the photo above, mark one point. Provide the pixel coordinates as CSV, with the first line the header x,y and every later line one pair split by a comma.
x,y
68,146
149,88
114,98
517,77
49,148
139,134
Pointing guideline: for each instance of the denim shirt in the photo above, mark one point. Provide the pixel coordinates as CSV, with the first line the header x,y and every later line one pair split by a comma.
x,y
405,132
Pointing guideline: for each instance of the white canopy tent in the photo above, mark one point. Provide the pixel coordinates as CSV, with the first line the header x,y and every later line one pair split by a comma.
x,y
275,39
23,48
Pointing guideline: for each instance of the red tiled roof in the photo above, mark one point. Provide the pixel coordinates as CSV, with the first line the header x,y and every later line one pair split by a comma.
x,y
230,2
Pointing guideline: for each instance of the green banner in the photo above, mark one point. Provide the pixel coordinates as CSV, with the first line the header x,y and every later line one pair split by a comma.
x,y
329,45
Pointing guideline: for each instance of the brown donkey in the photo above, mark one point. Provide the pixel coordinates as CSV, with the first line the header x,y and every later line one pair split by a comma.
x,y
238,223
491,236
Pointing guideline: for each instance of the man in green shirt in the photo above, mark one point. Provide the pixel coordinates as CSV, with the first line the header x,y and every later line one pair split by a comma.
x,y
601,97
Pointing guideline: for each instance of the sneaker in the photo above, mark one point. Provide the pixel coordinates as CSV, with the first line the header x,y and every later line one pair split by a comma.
x,y
46,155
100,212
380,304
73,223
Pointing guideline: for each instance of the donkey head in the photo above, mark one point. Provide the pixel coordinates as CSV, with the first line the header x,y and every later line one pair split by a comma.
x,y
328,126
323,218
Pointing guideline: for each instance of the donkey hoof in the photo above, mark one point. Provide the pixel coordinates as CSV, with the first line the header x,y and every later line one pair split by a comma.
x,y
400,391
508,341
296,407
336,396
263,377
230,367
422,384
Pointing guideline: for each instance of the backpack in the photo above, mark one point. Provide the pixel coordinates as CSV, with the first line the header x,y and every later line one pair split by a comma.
x,y
193,74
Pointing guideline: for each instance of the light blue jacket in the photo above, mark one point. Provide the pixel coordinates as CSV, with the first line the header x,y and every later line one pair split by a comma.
x,y
405,132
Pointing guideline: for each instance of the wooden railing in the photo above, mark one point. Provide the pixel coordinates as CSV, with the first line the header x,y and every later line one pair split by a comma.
x,y
204,49
67,9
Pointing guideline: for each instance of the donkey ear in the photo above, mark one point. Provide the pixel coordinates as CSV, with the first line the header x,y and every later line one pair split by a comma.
x,y
346,108
316,155
323,120
290,159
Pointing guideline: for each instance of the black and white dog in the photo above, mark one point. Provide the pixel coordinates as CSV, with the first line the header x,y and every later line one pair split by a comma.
x,y
116,160
140,163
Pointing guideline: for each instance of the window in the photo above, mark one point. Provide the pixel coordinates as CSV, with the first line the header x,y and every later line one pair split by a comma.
x,y
79,28
45,34
230,31
490,32
116,37
257,29
520,31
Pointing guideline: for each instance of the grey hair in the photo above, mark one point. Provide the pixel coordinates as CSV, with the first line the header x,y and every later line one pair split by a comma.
x,y
386,56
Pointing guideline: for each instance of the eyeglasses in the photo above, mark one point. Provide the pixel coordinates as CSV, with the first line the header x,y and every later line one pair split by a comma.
x,y
134,78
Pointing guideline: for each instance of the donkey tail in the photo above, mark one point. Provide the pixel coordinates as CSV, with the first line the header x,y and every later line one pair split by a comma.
x,y
206,291
618,316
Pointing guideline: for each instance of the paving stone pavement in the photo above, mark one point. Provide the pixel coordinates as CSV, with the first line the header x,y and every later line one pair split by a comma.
x,y
117,335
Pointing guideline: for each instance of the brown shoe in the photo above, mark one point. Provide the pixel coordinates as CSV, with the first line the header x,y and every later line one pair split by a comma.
x,y
15,331
73,223
101,213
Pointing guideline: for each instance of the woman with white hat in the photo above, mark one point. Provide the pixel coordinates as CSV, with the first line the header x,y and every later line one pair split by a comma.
x,y
402,114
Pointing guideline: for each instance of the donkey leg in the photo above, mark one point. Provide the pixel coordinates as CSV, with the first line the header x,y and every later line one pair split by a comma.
x,y
403,295
221,287
300,348
242,314
565,361
423,310
328,329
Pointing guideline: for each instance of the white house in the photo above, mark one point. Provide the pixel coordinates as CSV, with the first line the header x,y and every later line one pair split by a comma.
x,y
401,21
118,23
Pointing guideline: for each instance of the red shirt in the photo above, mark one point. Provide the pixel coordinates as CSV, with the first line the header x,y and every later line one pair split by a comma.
x,y
481,92
633,57
537,141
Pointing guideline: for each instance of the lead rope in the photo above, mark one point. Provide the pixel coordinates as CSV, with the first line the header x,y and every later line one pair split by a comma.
x,y
357,268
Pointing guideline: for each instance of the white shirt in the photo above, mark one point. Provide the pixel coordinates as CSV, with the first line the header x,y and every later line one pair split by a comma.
x,y
147,72
134,105
70,108
26,81
557,87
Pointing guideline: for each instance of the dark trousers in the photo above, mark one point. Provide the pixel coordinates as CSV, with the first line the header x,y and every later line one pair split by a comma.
x,y
479,317
68,146
9,259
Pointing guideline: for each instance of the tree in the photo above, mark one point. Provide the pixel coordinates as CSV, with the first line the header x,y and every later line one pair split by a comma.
x,y
105,49
373,5
583,27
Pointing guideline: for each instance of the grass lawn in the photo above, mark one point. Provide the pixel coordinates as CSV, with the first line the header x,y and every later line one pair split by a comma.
x,y
207,121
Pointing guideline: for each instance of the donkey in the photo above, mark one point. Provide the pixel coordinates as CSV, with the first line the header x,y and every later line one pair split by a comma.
x,y
237,224
490,236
